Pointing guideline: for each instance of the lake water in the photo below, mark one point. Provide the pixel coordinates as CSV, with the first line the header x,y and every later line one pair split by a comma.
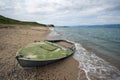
x,y
98,50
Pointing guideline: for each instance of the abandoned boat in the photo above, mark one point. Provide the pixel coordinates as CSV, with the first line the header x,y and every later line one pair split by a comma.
x,y
40,53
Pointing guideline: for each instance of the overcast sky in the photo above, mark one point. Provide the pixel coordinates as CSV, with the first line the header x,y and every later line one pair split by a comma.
x,y
63,12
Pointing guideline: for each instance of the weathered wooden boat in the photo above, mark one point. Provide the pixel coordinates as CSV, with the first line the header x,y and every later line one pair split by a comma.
x,y
40,53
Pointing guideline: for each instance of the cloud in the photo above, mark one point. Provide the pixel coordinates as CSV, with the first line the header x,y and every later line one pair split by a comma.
x,y
61,11
104,19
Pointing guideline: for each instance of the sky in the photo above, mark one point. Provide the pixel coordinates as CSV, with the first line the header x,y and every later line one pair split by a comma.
x,y
63,12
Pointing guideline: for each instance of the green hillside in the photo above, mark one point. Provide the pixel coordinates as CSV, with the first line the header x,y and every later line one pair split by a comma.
x,y
5,20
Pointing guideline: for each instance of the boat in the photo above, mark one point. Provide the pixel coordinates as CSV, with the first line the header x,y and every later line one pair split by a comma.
x,y
41,53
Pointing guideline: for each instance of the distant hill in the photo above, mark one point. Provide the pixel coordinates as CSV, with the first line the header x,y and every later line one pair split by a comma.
x,y
93,26
5,20
101,26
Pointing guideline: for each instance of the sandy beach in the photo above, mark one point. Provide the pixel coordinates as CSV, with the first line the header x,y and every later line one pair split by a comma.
x,y
12,39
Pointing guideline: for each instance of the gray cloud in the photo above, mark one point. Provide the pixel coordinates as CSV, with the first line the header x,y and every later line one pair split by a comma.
x,y
60,11
113,8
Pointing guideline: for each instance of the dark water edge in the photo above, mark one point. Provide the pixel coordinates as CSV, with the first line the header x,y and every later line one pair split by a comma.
x,y
95,66
109,59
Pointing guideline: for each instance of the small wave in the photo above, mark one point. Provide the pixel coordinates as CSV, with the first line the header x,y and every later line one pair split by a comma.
x,y
54,35
93,66
112,40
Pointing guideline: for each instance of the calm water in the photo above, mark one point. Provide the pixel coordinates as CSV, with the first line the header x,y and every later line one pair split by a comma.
x,y
104,40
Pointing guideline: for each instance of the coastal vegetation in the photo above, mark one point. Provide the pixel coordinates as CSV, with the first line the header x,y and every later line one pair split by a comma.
x,y
9,21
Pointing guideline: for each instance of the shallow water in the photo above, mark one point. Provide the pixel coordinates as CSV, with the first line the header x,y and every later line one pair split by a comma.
x,y
93,66
103,41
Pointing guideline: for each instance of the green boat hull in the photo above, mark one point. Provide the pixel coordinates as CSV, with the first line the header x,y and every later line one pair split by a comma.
x,y
25,62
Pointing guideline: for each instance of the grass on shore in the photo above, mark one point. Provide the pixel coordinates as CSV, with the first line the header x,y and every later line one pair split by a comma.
x,y
8,21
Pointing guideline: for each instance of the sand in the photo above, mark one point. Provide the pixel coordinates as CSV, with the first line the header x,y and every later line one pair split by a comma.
x,y
13,38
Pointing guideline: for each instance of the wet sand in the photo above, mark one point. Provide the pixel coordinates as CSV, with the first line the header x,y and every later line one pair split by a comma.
x,y
13,38
109,59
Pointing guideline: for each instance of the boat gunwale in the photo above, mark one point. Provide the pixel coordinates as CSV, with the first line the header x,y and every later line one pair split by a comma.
x,y
40,60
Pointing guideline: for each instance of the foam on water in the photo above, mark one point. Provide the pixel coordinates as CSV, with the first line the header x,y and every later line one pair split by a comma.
x,y
94,66
54,35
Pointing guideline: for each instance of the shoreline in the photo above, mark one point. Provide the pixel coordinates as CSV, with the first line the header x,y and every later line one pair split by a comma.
x,y
93,66
16,37
81,74
111,61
